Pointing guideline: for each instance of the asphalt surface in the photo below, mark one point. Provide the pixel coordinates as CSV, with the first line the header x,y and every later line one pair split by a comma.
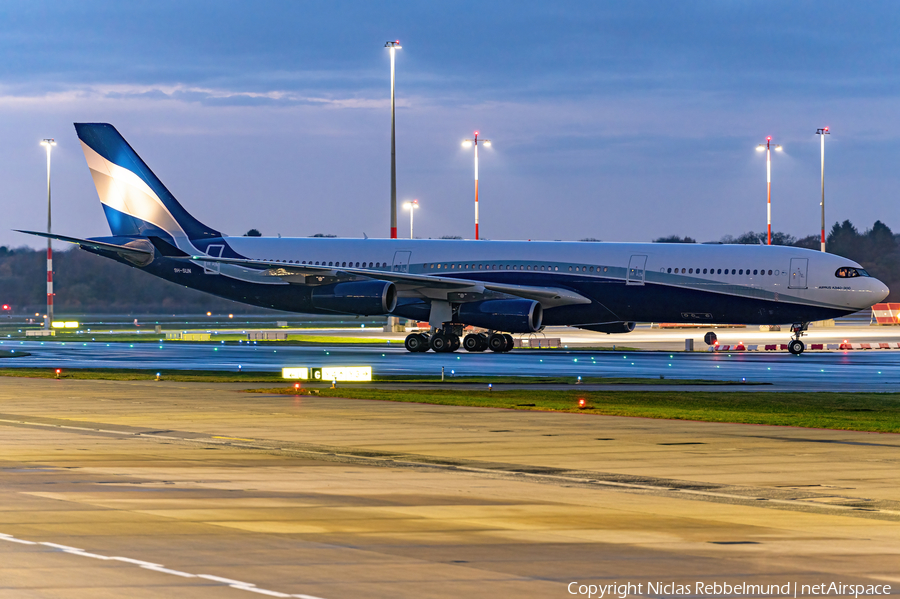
x,y
874,370
145,489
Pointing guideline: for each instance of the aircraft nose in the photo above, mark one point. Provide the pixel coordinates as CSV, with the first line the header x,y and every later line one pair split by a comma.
x,y
881,291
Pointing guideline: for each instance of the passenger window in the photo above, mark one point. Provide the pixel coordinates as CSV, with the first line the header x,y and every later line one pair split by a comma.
x,y
555,268
439,265
604,268
770,272
570,269
704,271
720,271
452,266
690,271
741,271
669,270
754,272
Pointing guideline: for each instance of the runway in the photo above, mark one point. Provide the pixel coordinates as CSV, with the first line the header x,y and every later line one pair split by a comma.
x,y
855,370
142,489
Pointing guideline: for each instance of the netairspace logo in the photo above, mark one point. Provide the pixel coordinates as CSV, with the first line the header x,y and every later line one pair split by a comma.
x,y
724,589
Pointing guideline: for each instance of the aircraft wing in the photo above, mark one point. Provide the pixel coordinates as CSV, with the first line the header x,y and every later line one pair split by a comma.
x,y
430,286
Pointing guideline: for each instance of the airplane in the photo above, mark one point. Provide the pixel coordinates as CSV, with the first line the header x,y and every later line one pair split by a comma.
x,y
502,287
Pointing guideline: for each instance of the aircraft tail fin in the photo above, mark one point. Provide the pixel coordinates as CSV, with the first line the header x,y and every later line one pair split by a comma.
x,y
135,201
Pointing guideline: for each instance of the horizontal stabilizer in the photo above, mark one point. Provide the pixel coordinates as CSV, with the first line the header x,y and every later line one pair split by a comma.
x,y
138,252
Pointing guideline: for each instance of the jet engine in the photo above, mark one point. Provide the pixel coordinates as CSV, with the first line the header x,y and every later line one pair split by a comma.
x,y
356,297
511,316
609,327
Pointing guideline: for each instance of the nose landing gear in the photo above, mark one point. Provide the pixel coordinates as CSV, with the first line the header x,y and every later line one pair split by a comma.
x,y
796,346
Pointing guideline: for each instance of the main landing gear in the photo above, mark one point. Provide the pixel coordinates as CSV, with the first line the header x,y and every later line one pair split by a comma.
x,y
447,340
798,329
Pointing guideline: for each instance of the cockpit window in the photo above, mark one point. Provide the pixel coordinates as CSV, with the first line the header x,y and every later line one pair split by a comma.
x,y
849,272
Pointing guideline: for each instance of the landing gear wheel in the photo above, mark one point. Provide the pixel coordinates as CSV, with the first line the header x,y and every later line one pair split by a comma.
x,y
426,342
416,343
497,343
440,343
509,342
472,342
796,347
454,342
483,339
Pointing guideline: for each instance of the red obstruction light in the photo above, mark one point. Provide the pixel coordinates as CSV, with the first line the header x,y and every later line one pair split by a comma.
x,y
769,138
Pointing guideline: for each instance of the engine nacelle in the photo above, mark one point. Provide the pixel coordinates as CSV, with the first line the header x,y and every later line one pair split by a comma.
x,y
510,316
609,327
356,297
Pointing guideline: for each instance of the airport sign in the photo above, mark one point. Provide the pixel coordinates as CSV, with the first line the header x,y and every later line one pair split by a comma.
x,y
342,374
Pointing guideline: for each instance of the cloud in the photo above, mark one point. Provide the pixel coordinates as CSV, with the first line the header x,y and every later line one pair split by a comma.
x,y
13,96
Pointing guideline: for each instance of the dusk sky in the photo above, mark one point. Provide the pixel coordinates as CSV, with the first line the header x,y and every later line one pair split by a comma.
x,y
622,121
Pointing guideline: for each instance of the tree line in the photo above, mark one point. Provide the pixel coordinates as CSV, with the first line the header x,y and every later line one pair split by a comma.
x,y
89,284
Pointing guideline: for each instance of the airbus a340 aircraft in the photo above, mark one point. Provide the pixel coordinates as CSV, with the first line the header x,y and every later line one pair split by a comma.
x,y
501,286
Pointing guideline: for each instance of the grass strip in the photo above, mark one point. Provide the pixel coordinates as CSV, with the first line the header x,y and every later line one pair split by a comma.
x,y
871,412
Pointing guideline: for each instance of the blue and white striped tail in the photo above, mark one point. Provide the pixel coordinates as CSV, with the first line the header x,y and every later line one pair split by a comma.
x,y
135,201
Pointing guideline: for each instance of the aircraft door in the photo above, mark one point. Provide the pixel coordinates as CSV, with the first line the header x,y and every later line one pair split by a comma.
x,y
798,273
636,267
213,268
401,262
